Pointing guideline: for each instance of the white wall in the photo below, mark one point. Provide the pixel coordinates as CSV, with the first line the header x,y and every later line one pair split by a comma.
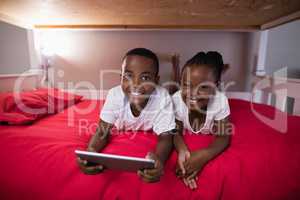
x,y
14,49
284,49
83,54
253,39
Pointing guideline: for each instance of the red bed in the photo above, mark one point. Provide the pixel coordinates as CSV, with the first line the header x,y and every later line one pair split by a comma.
x,y
38,161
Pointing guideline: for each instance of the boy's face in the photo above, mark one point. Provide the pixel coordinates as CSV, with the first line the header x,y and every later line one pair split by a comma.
x,y
197,86
139,78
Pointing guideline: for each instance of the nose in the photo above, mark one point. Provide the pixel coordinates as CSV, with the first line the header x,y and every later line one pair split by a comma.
x,y
195,94
136,82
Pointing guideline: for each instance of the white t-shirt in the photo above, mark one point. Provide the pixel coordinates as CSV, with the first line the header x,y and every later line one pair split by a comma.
x,y
217,109
158,114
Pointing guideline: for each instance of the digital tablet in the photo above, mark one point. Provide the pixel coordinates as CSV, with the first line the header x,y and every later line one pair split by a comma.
x,y
116,162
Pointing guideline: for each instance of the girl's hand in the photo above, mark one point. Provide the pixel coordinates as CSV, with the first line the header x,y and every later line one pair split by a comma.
x,y
191,183
152,175
183,156
195,163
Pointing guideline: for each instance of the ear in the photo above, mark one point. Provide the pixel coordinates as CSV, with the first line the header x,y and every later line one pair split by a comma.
x,y
157,79
225,68
121,73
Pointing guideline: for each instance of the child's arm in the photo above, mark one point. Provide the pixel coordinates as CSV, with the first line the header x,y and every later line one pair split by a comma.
x,y
164,124
97,143
200,157
181,148
161,155
164,146
100,138
178,139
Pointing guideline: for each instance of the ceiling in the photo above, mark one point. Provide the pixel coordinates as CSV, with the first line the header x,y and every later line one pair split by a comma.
x,y
190,14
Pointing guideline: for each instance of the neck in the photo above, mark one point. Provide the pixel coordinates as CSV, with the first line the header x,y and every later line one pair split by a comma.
x,y
199,112
137,109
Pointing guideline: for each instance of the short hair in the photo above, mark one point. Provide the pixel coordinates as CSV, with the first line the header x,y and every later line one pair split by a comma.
x,y
212,59
145,53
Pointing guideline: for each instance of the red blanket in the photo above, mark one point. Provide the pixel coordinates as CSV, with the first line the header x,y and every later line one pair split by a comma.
x,y
38,161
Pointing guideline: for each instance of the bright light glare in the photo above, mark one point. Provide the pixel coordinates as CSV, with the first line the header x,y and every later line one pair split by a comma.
x,y
52,42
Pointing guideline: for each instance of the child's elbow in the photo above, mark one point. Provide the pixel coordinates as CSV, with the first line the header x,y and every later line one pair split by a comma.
x,y
227,140
224,140
166,138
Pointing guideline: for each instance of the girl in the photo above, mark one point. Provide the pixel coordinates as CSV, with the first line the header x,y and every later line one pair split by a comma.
x,y
200,108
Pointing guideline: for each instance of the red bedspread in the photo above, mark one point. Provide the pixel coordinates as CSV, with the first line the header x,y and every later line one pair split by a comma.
x,y
38,161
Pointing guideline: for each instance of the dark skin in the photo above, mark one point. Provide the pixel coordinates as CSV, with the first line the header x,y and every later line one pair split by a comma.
x,y
196,90
96,144
138,80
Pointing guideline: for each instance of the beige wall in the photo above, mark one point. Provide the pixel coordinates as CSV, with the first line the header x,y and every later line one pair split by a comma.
x,y
84,54
252,49
14,49
283,49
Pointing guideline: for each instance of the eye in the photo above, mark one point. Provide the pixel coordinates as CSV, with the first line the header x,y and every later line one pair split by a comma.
x,y
127,76
145,78
205,87
186,85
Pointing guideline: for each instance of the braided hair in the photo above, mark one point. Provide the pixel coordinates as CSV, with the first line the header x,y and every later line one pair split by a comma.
x,y
212,59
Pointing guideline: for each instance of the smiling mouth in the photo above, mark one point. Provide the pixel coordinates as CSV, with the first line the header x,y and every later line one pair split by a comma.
x,y
193,101
135,93
196,100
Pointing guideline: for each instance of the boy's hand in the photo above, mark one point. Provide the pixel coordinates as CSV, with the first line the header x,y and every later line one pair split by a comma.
x,y
183,156
87,168
152,175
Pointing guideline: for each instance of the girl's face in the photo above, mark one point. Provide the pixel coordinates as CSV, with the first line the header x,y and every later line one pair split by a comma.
x,y
198,85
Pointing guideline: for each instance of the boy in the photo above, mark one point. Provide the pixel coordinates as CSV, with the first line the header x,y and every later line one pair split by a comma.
x,y
137,104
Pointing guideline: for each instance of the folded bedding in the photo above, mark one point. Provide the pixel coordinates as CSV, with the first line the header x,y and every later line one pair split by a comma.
x,y
29,106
